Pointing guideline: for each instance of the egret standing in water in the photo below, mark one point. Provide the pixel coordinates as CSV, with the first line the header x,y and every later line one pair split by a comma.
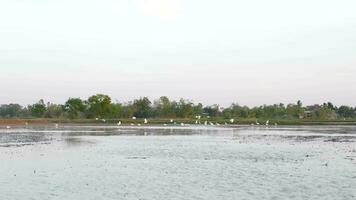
x,y
267,122
119,123
232,121
145,121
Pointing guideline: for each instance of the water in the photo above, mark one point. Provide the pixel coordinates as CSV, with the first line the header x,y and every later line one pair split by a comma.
x,y
103,162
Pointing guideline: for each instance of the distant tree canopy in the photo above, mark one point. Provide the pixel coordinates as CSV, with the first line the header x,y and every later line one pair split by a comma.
x,y
101,106
38,109
98,106
74,107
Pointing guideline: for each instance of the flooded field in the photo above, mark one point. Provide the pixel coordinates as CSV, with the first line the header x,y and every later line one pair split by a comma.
x,y
109,162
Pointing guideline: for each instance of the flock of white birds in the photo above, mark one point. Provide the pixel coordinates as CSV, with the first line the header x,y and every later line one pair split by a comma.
x,y
172,122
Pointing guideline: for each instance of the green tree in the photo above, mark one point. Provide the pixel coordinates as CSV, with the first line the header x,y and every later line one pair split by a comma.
x,y
74,107
198,109
98,106
345,112
10,110
184,109
325,112
116,110
54,110
142,108
38,109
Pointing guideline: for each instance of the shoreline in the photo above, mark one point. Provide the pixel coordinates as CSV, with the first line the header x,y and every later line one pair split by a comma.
x,y
44,121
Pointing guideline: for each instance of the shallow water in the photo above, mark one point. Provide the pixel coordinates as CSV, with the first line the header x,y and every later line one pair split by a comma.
x,y
107,162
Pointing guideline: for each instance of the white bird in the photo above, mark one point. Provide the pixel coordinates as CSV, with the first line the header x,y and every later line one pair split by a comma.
x,y
56,125
96,119
119,123
205,123
257,123
133,117
8,127
217,124
196,122
267,122
211,123
145,121
164,124
182,124
171,120
138,124
103,120
232,121
132,124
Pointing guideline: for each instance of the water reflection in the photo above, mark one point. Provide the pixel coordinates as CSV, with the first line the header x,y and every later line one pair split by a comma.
x,y
73,135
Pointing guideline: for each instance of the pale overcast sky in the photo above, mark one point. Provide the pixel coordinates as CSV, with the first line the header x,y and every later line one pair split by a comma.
x,y
252,52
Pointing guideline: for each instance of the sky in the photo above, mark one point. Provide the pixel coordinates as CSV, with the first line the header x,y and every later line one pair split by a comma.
x,y
215,52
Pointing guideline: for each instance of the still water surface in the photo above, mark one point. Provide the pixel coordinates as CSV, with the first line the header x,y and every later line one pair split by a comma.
x,y
107,162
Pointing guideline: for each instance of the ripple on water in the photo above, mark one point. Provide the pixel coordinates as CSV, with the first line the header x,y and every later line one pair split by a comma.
x,y
238,163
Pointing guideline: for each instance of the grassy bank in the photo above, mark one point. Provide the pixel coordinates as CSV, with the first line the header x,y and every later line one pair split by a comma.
x,y
177,121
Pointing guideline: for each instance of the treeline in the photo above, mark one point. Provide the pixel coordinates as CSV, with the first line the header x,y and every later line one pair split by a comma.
x,y
101,106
